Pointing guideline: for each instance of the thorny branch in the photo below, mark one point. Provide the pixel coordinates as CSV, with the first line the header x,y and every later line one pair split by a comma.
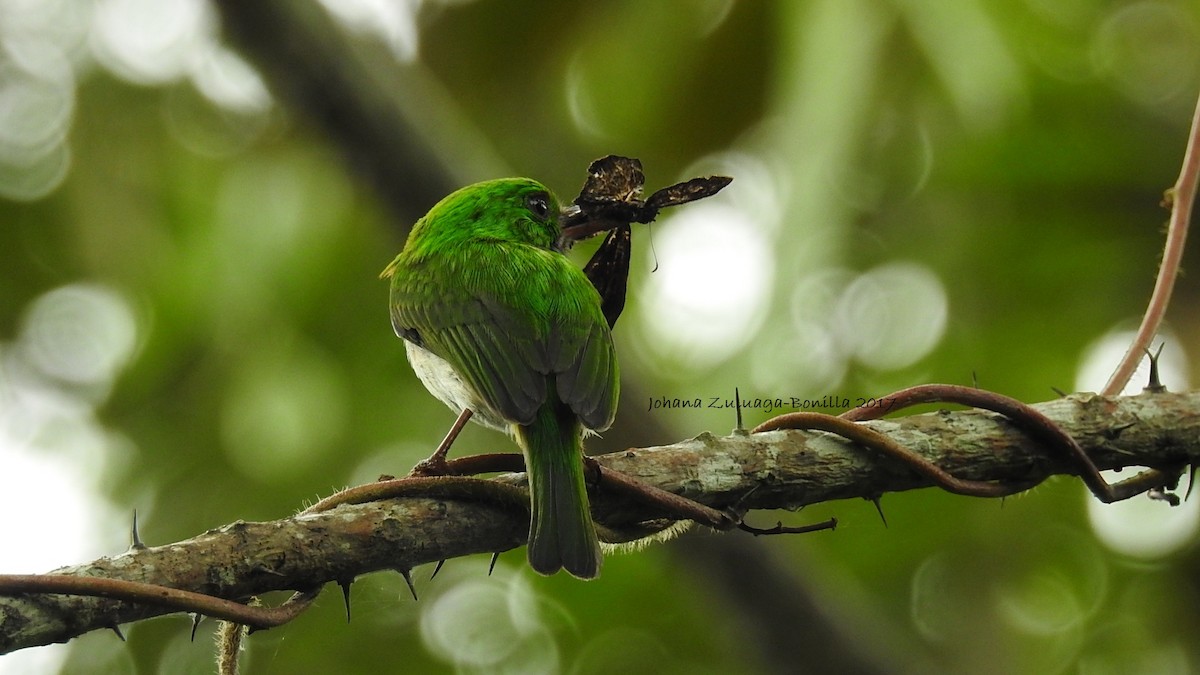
x,y
382,525
783,469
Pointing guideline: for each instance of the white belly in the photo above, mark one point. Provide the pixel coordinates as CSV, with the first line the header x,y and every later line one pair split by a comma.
x,y
440,378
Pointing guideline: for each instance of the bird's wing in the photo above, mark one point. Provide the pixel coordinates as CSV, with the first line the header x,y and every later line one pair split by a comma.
x,y
585,363
481,345
508,352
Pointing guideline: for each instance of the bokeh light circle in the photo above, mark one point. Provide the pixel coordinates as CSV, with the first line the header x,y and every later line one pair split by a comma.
x,y
708,297
893,315
489,625
1150,50
1141,527
83,333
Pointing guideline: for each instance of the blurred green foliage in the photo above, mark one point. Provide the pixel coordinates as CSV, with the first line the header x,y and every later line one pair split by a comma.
x,y
1016,152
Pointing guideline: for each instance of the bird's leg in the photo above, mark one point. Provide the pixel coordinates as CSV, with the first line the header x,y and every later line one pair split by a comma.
x,y
435,464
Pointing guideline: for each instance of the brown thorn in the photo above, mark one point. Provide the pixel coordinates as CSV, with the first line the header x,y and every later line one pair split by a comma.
x,y
592,477
437,568
407,574
196,619
1155,385
879,509
344,584
117,629
737,397
135,539
1114,432
736,511
492,565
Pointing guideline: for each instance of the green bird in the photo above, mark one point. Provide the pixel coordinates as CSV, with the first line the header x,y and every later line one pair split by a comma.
x,y
496,320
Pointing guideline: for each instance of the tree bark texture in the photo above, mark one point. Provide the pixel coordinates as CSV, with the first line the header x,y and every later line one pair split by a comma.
x,y
772,470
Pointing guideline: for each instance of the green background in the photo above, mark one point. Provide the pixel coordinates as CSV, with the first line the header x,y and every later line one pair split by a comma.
x,y
996,166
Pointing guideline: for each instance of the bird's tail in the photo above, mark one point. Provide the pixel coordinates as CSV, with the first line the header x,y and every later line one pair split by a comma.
x,y
561,533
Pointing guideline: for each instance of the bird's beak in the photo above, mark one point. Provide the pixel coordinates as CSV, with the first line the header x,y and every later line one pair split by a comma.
x,y
570,216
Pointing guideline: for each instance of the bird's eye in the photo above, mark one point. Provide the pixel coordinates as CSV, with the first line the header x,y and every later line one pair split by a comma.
x,y
539,205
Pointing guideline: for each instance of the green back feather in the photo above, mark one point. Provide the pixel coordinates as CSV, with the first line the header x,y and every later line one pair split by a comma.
x,y
481,284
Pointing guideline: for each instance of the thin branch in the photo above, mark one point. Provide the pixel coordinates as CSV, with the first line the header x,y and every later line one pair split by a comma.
x,y
1024,417
159,596
1181,198
882,443
779,469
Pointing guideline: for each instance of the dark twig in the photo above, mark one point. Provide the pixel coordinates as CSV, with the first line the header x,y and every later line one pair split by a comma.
x,y
779,528
161,596
453,487
458,486
473,465
672,505
874,440
1026,418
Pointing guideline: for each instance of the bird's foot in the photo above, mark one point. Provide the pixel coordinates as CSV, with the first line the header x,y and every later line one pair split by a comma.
x,y
435,464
